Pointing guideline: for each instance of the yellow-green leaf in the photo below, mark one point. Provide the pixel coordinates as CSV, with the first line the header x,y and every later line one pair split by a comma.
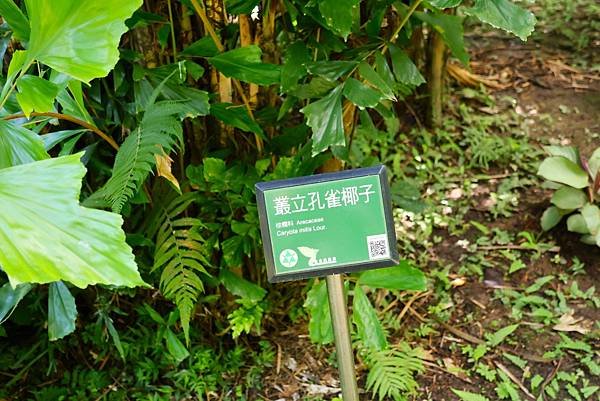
x,y
48,236
78,37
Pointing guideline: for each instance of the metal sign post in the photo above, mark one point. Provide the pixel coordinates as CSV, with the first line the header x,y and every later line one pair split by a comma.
x,y
325,225
343,341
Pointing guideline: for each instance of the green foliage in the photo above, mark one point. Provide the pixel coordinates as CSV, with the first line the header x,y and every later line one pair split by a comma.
x,y
159,133
504,14
62,311
467,396
19,145
179,253
245,64
10,298
196,244
577,184
367,324
317,303
325,118
35,94
391,371
13,15
401,277
72,46
48,236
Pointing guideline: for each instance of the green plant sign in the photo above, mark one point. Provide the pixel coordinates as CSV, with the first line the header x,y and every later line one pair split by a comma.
x,y
328,223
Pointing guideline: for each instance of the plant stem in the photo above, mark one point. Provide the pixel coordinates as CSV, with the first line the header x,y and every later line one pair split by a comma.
x,y
435,79
72,119
173,41
211,32
410,12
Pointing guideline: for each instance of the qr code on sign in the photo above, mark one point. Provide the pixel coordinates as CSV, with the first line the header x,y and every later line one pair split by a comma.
x,y
378,247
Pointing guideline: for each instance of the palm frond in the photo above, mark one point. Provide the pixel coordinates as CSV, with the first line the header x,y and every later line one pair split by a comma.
x,y
392,371
160,127
180,252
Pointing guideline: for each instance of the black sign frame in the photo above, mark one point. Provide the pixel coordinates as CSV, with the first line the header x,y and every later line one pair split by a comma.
x,y
262,187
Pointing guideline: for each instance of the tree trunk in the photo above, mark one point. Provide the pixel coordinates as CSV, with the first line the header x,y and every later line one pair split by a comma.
x,y
435,78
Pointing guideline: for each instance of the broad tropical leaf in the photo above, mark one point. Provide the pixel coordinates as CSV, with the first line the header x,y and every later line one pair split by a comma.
x,y
78,38
15,18
504,14
47,236
550,218
19,145
339,15
360,94
367,323
569,198
376,80
241,287
317,303
237,116
296,55
237,7
10,298
405,70
180,253
325,118
245,64
36,94
331,70
560,169
450,27
401,277
62,311
570,152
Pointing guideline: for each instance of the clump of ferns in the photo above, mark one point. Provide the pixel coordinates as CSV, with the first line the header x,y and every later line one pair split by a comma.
x,y
392,370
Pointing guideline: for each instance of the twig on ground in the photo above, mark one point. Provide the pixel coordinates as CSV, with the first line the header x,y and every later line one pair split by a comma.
x,y
514,379
554,249
549,378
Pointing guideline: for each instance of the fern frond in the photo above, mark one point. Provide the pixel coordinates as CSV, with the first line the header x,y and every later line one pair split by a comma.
x,y
392,371
160,127
180,253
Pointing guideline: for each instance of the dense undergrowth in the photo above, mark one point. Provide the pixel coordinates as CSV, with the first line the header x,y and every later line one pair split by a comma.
x,y
193,114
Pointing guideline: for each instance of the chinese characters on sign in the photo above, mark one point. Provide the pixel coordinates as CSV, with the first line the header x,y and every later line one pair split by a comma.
x,y
332,198
340,222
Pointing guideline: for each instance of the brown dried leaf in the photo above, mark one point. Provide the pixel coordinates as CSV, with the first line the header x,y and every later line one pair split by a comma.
x,y
163,167
568,322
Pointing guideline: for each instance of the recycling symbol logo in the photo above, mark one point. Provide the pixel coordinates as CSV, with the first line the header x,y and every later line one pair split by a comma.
x,y
288,258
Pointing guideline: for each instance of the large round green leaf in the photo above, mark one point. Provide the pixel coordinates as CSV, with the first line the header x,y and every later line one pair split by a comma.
x,y
560,169
46,236
78,37
569,198
504,14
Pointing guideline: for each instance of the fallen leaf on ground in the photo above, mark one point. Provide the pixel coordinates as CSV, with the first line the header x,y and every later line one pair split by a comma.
x,y
455,370
568,322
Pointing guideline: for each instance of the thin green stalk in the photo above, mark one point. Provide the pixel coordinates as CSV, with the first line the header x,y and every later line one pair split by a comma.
x,y
22,371
410,12
173,41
